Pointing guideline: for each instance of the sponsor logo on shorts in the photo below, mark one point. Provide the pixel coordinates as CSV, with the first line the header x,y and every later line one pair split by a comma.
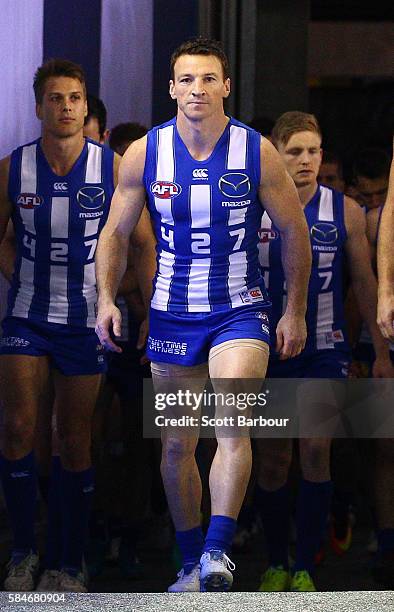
x,y
169,347
234,184
324,233
335,336
60,187
200,174
262,315
14,342
266,235
165,190
265,328
236,203
91,197
29,200
251,295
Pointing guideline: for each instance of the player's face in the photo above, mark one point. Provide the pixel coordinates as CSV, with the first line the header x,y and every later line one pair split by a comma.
x,y
329,176
63,107
371,192
302,157
198,86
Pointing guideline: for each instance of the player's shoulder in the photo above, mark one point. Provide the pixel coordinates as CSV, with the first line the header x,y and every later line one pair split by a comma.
x,y
246,127
161,126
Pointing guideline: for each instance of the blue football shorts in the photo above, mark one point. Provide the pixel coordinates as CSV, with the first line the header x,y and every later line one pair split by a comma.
x,y
73,351
185,339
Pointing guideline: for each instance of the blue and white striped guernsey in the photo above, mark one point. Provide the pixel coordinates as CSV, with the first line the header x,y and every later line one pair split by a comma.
x,y
57,221
325,314
206,215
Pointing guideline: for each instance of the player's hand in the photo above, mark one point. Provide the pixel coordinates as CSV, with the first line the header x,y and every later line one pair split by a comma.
x,y
386,316
383,368
108,318
290,336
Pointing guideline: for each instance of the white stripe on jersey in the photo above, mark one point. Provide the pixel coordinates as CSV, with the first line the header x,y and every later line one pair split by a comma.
x,y
89,292
60,210
197,289
26,289
237,273
326,207
200,206
165,273
94,164
264,247
165,170
324,321
28,184
236,158
58,298
326,260
237,215
91,227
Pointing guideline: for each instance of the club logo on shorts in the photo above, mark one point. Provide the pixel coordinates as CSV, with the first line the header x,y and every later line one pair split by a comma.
x,y
29,200
324,233
267,234
91,197
234,184
165,190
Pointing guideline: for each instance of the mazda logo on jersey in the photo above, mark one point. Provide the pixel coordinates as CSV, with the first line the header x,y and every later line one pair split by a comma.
x,y
234,184
29,200
165,189
91,197
266,235
324,233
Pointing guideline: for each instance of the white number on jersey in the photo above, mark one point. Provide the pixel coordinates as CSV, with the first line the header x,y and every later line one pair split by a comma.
x,y
168,237
92,244
30,243
241,235
200,243
327,279
59,252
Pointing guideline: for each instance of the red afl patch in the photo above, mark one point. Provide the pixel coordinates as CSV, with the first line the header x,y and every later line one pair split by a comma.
x,y
29,200
165,190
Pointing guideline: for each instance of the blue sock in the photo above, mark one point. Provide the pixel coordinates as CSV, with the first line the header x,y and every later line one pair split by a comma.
x,y
313,505
54,537
274,508
19,480
190,542
220,533
385,540
77,493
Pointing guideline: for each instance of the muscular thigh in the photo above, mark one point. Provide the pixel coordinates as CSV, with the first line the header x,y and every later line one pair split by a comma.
x,y
76,398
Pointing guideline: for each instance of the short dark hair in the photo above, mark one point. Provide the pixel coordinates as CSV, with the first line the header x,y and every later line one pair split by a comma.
x,y
201,46
372,163
54,68
291,123
96,108
126,132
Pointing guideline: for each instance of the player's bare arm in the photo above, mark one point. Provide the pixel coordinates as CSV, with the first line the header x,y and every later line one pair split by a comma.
x,y
386,264
5,204
364,283
111,257
279,196
8,252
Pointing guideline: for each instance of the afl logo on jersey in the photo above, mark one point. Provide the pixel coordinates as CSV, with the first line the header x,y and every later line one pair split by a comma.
x,y
324,233
29,200
234,184
165,189
266,235
91,197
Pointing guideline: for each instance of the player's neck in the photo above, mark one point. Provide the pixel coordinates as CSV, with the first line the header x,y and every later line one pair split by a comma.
x,y
306,193
200,137
62,153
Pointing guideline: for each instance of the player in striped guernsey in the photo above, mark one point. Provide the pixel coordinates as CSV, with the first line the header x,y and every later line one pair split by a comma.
x,y
57,192
336,228
205,176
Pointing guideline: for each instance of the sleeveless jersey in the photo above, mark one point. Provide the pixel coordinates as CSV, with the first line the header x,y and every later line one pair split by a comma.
x,y
325,313
206,216
57,221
